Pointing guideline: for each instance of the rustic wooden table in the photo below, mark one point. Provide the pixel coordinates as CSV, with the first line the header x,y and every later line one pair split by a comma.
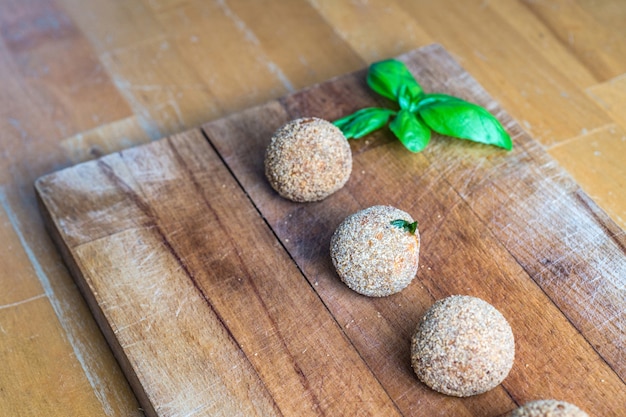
x,y
85,78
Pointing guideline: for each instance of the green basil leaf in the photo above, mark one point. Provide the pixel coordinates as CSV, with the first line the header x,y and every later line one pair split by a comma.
x,y
411,130
463,120
363,122
389,77
403,224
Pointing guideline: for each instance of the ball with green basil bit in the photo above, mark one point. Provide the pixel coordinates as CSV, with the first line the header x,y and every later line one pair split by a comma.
x,y
376,250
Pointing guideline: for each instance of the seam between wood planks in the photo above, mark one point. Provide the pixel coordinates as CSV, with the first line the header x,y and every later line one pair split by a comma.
x,y
295,263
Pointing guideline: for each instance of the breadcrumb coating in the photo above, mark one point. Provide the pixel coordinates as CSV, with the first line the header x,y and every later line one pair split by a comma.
x,y
308,159
462,346
372,256
548,408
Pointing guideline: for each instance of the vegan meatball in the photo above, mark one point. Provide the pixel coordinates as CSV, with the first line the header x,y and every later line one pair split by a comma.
x,y
462,346
308,159
376,250
548,408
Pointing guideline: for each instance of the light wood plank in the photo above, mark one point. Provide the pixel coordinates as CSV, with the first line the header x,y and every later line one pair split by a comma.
x,y
304,47
161,5
602,49
69,328
37,109
114,24
237,72
545,102
611,96
544,40
103,140
166,96
154,300
38,376
608,13
598,163
17,279
375,29
42,40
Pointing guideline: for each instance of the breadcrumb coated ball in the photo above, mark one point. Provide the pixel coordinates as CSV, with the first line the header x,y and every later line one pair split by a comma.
x,y
308,159
548,408
372,256
462,346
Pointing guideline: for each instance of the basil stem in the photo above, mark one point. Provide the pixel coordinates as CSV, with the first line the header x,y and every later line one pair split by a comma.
x,y
431,99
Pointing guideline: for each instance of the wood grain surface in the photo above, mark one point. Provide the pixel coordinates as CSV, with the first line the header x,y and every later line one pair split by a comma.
x,y
81,79
202,276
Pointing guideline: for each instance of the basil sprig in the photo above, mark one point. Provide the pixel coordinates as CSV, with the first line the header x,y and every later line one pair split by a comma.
x,y
420,113
407,226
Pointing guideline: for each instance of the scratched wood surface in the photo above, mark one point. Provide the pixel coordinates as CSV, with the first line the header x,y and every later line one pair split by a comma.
x,y
85,78
199,279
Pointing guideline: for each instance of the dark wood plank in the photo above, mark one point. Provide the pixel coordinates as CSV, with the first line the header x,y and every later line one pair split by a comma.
x,y
56,66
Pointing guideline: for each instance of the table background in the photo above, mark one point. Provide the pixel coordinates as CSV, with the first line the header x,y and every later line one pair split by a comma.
x,y
80,79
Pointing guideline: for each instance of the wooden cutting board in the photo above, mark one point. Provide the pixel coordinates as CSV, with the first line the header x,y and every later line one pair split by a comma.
x,y
219,298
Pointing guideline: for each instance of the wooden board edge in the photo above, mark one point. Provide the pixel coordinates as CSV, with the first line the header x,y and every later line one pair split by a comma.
x,y
83,286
